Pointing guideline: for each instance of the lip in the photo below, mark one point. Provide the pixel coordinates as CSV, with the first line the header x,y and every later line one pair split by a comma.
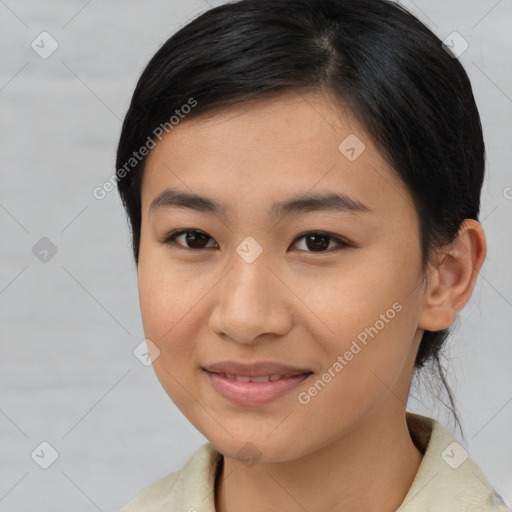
x,y
257,369
254,394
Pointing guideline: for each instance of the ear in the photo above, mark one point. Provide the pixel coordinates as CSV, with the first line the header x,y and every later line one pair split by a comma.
x,y
453,277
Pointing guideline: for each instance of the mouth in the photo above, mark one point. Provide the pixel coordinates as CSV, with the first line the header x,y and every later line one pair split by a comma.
x,y
264,378
254,385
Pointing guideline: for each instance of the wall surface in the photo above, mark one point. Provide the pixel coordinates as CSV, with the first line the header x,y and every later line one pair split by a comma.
x,y
70,317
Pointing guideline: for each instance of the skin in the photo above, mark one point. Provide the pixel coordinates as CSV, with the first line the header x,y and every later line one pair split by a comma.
x,y
349,447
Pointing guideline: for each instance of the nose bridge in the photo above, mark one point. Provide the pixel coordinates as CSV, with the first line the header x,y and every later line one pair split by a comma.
x,y
250,278
249,302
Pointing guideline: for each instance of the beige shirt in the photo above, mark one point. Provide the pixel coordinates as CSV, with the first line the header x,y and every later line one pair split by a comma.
x,y
447,479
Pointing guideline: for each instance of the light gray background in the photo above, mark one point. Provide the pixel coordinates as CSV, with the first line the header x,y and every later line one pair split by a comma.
x,y
68,375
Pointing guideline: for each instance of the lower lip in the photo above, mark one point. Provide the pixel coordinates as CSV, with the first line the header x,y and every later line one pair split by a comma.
x,y
252,394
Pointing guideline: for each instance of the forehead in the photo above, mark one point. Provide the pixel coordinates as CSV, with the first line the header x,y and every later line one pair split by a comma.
x,y
254,153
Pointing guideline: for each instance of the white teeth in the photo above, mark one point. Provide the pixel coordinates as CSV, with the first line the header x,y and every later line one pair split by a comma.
x,y
260,379
243,378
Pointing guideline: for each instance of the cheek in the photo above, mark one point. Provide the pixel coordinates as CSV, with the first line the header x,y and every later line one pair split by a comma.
x,y
168,303
166,294
357,299
358,377
167,310
370,318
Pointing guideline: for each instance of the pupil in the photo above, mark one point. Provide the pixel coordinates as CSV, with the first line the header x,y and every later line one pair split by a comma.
x,y
316,239
193,237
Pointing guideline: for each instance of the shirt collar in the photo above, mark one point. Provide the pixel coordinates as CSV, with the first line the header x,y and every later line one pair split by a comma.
x,y
447,478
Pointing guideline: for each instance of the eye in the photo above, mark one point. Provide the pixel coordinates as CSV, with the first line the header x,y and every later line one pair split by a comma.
x,y
314,241
320,241
193,239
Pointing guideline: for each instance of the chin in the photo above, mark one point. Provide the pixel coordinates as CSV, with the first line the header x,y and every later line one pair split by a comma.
x,y
253,445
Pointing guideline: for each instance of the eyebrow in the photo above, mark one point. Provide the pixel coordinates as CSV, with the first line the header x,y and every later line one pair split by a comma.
x,y
172,198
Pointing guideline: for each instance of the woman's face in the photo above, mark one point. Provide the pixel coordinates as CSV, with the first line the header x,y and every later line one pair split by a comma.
x,y
337,313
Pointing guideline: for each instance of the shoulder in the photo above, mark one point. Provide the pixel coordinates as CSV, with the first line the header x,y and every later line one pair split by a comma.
x,y
150,498
184,489
447,478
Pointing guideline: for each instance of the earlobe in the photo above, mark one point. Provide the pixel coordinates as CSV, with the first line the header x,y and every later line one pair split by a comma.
x,y
452,279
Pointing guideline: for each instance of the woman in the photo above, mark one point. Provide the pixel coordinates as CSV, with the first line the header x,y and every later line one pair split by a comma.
x,y
303,185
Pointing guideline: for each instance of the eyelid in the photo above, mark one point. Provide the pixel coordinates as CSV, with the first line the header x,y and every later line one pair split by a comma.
x,y
338,239
170,238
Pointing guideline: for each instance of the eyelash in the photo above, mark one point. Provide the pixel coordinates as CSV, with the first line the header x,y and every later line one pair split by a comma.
x,y
171,237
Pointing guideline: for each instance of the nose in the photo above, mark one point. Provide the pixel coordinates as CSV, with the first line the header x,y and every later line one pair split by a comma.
x,y
251,302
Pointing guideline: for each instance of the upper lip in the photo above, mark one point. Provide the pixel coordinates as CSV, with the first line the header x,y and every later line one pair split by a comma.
x,y
258,369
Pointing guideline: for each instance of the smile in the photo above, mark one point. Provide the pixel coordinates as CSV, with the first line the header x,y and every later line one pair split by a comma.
x,y
265,378
254,391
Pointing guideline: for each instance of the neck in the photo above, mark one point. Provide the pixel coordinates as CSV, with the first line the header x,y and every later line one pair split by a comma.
x,y
370,469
